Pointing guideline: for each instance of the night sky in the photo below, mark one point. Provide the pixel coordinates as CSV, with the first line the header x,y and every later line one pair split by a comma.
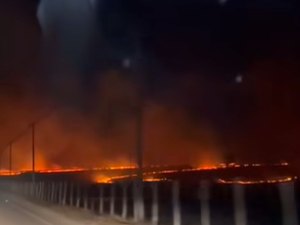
x,y
226,74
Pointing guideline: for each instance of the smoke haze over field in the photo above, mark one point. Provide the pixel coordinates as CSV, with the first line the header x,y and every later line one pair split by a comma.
x,y
71,74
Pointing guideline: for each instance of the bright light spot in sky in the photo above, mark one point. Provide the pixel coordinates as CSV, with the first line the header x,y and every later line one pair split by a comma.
x,y
239,79
126,63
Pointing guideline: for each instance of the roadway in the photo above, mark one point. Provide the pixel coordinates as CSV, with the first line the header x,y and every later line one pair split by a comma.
x,y
15,210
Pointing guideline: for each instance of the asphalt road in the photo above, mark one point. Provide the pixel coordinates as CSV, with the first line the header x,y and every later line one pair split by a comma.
x,y
15,210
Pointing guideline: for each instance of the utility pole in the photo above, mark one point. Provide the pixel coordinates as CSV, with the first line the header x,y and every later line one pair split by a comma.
x,y
33,152
140,136
139,202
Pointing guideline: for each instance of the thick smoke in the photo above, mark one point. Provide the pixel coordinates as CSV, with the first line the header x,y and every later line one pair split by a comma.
x,y
69,75
107,136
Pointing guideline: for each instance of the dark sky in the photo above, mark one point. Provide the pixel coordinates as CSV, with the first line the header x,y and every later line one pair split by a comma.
x,y
191,53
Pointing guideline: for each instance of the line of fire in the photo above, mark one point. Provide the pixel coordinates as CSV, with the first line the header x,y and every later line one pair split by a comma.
x,y
231,173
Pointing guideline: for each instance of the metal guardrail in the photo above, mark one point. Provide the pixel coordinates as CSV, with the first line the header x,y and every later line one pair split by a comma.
x,y
118,200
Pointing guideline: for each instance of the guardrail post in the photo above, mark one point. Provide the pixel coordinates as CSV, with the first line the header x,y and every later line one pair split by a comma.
x,y
176,203
85,201
60,195
138,204
240,214
112,199
288,203
48,199
65,192
204,202
155,217
72,194
101,200
43,191
39,196
124,202
78,196
52,192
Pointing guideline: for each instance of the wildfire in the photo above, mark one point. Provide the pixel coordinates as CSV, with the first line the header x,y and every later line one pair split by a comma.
x,y
156,173
9,173
62,170
103,180
109,180
266,181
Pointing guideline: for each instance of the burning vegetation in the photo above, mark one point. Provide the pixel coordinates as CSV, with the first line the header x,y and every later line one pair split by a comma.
x,y
230,173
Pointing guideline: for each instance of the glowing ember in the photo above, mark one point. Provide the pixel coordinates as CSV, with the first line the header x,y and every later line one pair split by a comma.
x,y
154,179
103,180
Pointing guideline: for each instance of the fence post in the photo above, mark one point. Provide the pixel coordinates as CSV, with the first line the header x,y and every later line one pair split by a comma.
x,y
37,190
40,196
52,192
43,191
65,192
71,194
124,202
138,204
78,196
56,192
112,199
288,203
60,195
101,201
240,214
85,203
154,218
204,202
176,203
48,191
